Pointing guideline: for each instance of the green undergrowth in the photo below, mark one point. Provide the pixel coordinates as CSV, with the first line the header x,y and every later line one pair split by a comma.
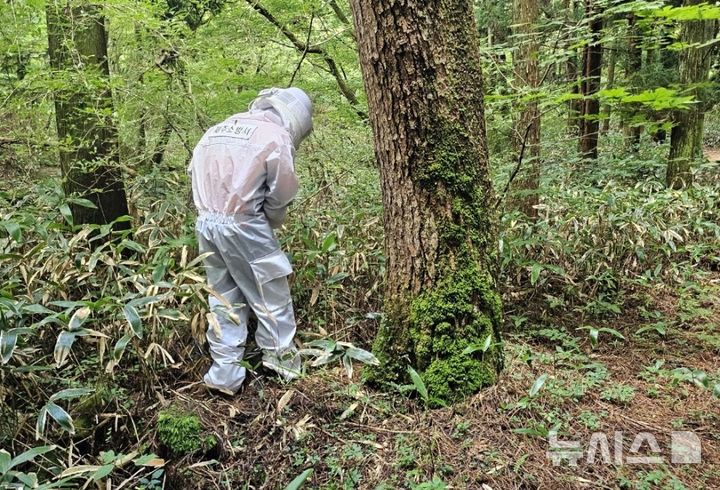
x,y
182,433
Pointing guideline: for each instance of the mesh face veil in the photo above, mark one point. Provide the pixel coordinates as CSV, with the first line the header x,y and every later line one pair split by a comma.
x,y
293,105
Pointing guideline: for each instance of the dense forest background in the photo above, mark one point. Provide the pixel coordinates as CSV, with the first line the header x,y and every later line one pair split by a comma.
x,y
603,141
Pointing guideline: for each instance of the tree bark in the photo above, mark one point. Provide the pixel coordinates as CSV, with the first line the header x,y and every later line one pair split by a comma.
x,y
686,138
89,158
607,110
590,86
571,69
423,79
526,131
632,130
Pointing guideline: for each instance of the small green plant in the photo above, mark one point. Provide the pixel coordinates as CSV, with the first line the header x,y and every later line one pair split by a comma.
x,y
594,333
435,484
325,351
182,433
461,429
591,420
299,480
619,394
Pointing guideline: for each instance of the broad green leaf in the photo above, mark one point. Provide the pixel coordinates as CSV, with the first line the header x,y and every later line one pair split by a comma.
x,y
103,471
79,470
149,460
78,318
14,230
61,417
537,385
132,245
169,314
362,355
120,347
29,455
326,358
613,93
419,384
4,462
8,342
37,309
66,213
325,344
62,347
133,318
30,481
145,300
329,244
69,393
479,347
41,422
85,203
299,480
688,12
535,273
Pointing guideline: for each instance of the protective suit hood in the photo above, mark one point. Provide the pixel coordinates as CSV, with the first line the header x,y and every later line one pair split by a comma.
x,y
294,107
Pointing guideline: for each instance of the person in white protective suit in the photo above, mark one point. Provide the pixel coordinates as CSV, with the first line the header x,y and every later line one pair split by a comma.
x,y
243,179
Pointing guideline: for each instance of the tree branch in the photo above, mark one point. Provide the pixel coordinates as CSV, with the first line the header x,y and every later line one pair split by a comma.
x,y
299,45
305,48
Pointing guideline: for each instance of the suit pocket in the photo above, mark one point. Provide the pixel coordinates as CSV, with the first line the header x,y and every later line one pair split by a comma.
x,y
271,273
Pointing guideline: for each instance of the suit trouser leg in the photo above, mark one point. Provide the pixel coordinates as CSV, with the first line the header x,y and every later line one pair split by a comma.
x,y
228,333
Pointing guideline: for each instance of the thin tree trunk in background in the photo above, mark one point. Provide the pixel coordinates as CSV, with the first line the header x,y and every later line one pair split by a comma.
x,y
89,144
574,104
686,138
590,86
631,129
571,68
422,70
607,110
526,131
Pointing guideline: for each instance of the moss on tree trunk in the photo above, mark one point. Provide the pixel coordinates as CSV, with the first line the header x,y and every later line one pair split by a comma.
x,y
423,80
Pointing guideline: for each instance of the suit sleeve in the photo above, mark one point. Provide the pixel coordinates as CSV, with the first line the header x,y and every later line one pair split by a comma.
x,y
282,184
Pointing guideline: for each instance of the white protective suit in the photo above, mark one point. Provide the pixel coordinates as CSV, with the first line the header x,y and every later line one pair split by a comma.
x,y
243,179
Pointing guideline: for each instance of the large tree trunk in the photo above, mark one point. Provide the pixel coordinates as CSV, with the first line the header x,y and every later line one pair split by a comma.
x,y
526,131
421,66
83,112
592,71
686,139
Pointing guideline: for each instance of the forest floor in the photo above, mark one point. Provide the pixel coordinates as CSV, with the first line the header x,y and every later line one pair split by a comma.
x,y
712,154
355,437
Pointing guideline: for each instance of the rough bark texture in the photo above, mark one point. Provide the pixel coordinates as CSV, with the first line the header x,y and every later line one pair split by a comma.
x,y
686,139
590,86
423,80
526,131
88,155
